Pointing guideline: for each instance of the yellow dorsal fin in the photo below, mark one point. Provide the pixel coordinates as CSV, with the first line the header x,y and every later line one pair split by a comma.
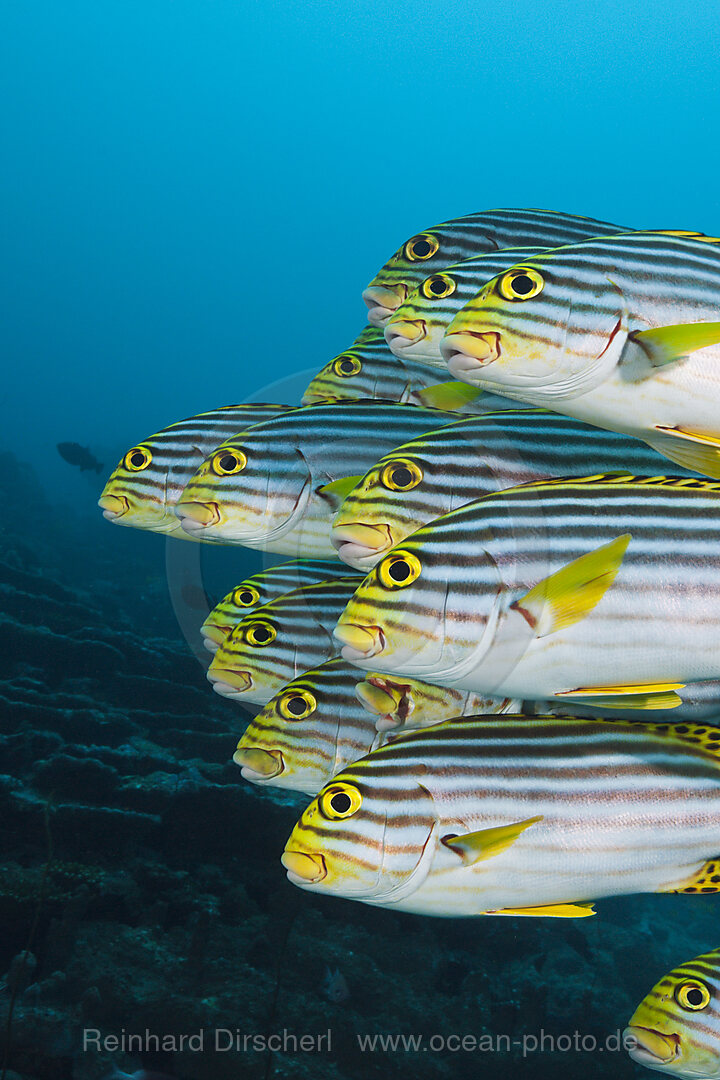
x,y
553,911
610,480
650,696
475,846
569,594
668,344
337,490
447,395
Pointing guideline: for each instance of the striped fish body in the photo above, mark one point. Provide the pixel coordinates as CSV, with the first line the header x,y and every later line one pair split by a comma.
x,y
275,489
311,729
280,641
448,468
143,489
481,816
261,589
466,237
480,601
586,338
416,330
676,1027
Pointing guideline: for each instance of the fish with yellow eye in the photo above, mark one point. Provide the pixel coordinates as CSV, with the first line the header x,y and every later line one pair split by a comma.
x,y
367,369
445,469
430,251
279,641
261,589
602,589
311,729
676,1027
414,332
144,488
514,815
621,332
279,486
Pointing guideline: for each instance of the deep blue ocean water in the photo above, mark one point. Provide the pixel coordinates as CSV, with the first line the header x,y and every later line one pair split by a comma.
x,y
194,194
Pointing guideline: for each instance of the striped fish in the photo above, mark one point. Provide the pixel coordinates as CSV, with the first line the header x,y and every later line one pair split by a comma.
x,y
517,815
143,489
415,331
279,641
404,704
369,370
279,486
676,1028
311,729
622,332
443,470
462,238
603,589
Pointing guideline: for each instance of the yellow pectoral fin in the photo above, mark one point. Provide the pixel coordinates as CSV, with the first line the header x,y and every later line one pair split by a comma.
x,y
476,846
554,911
448,395
668,344
698,452
569,594
651,696
337,490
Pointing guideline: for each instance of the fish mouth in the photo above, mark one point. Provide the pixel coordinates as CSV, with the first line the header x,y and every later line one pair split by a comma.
x,y
386,699
229,682
359,642
257,764
653,1047
402,334
383,301
113,506
214,636
303,867
465,352
196,516
359,544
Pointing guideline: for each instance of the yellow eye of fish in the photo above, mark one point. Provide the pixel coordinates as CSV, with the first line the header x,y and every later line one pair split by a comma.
x,y
399,570
138,459
246,596
522,283
345,366
260,634
438,286
297,704
693,996
421,247
401,475
227,462
340,801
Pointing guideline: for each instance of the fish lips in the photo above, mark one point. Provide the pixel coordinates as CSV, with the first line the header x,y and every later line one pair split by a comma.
x,y
361,545
653,1048
383,301
466,353
359,642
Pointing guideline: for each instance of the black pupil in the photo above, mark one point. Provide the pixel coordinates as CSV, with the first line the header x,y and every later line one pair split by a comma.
x,y
695,996
522,284
228,462
340,803
296,705
246,597
421,248
399,570
437,286
138,458
402,477
262,634
347,367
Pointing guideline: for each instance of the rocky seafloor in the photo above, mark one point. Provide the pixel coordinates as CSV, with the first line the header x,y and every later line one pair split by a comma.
x,y
140,882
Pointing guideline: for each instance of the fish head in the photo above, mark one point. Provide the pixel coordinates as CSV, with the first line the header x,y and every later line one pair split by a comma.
x,y
233,607
252,491
676,1029
140,491
401,703
420,612
310,730
546,328
365,370
365,836
245,666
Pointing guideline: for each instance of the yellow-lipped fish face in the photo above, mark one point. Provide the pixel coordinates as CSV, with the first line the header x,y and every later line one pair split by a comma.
x,y
676,1028
313,728
146,484
341,843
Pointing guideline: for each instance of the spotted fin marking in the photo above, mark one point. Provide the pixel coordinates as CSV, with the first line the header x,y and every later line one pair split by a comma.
x,y
698,452
569,594
448,395
475,846
650,696
554,911
668,344
337,491
706,880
